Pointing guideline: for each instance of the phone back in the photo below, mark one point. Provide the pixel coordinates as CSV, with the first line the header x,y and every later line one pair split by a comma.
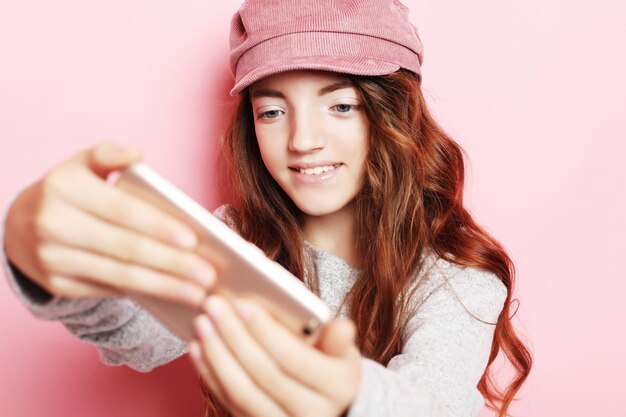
x,y
243,269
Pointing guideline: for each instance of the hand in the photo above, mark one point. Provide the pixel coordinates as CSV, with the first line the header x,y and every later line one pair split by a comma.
x,y
77,236
256,367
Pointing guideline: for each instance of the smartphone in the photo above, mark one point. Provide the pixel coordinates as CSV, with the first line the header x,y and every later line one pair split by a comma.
x,y
243,270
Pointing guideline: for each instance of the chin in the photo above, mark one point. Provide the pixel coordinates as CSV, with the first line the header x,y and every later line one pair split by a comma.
x,y
320,207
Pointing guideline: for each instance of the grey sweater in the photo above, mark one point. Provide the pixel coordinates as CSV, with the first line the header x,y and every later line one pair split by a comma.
x,y
444,356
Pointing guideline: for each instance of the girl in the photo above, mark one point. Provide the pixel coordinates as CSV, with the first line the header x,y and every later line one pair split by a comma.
x,y
337,171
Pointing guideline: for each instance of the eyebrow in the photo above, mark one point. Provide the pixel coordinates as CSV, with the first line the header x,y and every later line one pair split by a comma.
x,y
267,92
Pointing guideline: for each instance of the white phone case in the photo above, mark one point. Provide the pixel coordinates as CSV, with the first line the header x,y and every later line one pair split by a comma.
x,y
243,269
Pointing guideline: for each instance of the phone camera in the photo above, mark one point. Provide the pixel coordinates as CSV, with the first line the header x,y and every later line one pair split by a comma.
x,y
311,326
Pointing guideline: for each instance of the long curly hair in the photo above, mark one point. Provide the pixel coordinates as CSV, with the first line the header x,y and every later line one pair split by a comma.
x,y
411,201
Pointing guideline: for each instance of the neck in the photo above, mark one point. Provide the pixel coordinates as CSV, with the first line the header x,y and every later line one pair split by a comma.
x,y
334,233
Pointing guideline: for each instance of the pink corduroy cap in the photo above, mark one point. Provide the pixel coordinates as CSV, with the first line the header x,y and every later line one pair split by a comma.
x,y
360,37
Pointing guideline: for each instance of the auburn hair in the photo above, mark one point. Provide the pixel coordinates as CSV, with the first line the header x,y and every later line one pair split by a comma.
x,y
411,201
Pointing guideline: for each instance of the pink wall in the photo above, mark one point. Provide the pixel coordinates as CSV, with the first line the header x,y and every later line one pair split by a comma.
x,y
532,90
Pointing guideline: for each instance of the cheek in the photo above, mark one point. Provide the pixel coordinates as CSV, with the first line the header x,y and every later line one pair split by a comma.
x,y
262,144
365,141
271,142
270,156
356,143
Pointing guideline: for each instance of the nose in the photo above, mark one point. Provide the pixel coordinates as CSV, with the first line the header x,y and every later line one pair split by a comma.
x,y
305,133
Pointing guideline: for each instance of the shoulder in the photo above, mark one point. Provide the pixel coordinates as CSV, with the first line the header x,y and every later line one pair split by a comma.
x,y
482,293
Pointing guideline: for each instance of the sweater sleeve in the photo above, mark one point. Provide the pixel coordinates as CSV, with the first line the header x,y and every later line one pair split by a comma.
x,y
445,351
122,331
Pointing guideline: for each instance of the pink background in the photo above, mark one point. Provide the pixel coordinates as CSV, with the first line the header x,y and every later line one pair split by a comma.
x,y
532,90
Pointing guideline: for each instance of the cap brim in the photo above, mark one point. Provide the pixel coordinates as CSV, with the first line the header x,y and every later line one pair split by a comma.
x,y
345,65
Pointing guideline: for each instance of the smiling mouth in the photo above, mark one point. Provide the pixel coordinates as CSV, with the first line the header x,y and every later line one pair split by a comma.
x,y
317,170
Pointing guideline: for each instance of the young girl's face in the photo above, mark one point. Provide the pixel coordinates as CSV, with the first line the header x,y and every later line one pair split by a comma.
x,y
314,137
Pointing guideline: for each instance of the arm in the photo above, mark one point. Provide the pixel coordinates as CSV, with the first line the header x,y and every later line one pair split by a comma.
x,y
445,352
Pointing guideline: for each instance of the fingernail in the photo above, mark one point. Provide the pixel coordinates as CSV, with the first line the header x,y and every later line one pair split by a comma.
x,y
203,275
245,310
204,326
110,150
194,350
133,149
214,306
184,239
191,293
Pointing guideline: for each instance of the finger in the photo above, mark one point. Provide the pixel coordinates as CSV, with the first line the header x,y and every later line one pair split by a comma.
x,y
85,190
262,369
238,388
109,155
72,288
199,361
122,244
128,278
337,338
302,362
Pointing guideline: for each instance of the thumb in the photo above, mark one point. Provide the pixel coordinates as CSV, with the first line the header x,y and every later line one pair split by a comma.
x,y
337,338
109,156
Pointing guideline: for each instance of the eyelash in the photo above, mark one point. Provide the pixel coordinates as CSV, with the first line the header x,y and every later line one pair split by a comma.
x,y
352,107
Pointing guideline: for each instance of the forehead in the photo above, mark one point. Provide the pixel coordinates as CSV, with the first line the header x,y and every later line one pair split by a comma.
x,y
312,78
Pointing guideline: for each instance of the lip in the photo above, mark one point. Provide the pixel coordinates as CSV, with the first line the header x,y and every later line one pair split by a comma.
x,y
315,164
315,179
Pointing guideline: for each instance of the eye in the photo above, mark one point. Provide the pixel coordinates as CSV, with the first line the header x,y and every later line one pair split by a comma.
x,y
270,114
345,108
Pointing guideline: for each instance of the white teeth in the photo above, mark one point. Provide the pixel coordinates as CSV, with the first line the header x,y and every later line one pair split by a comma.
x,y
318,170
